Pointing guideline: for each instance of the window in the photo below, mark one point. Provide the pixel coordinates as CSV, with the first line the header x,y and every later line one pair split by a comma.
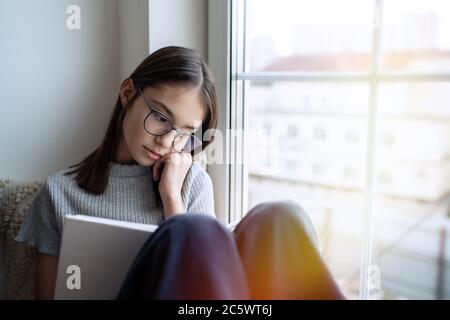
x,y
360,98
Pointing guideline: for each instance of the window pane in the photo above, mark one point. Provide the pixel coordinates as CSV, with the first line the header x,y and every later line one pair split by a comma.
x,y
412,184
301,35
310,146
416,35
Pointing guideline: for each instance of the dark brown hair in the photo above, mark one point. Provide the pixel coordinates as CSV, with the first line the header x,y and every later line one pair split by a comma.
x,y
168,65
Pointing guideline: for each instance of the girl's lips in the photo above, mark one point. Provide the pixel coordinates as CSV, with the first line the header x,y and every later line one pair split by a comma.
x,y
151,154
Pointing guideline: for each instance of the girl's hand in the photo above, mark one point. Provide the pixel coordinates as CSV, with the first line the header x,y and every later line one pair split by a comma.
x,y
171,170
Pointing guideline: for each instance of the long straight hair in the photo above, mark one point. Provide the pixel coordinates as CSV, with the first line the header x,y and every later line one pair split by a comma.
x,y
168,65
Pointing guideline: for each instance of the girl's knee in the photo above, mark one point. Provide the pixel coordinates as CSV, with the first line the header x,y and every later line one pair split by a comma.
x,y
286,212
283,209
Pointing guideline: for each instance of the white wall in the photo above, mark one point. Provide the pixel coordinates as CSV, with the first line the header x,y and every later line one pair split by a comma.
x,y
58,86
179,22
133,34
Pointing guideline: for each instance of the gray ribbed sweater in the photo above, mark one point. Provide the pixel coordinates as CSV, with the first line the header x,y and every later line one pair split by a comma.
x,y
129,196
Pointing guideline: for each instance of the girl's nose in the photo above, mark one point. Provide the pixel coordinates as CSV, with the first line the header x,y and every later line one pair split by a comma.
x,y
165,141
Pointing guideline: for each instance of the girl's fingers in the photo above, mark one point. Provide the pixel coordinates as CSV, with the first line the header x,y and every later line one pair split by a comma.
x,y
173,158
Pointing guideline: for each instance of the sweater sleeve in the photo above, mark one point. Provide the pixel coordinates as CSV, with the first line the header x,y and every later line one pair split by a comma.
x,y
201,195
39,228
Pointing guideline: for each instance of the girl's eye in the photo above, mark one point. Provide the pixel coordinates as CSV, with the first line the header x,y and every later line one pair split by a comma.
x,y
160,118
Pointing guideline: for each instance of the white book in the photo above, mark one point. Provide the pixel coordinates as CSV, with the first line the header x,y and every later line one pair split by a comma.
x,y
96,254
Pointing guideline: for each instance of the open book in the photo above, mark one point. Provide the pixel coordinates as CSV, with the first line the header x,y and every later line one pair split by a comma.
x,y
96,254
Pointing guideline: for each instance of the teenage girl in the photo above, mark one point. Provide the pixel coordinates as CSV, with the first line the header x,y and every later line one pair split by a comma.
x,y
143,171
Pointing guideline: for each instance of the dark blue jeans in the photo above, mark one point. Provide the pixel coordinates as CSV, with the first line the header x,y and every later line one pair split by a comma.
x,y
271,254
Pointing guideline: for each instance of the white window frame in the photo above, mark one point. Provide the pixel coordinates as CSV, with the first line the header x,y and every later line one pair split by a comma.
x,y
219,62
227,36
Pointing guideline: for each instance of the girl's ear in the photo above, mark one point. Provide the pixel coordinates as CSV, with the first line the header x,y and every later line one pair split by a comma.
x,y
127,91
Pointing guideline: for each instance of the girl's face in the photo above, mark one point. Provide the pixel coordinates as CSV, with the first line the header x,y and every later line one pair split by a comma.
x,y
181,104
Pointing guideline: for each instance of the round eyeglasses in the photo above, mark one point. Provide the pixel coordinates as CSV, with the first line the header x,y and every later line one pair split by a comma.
x,y
158,124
